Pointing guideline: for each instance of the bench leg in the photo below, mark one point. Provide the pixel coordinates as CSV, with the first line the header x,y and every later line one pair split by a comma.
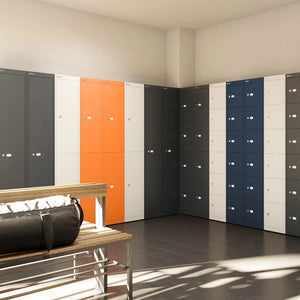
x,y
129,270
100,277
74,267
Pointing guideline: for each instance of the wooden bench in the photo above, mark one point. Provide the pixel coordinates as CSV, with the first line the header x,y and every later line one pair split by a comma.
x,y
61,265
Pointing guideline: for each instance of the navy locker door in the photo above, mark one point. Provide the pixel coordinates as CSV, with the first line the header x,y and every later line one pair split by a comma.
x,y
254,164
253,213
253,188
234,141
234,94
235,185
254,92
234,210
235,163
40,152
254,117
12,133
293,88
254,141
234,118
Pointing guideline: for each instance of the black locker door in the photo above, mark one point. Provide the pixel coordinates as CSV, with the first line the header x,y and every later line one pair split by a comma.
x,y
153,151
40,129
12,132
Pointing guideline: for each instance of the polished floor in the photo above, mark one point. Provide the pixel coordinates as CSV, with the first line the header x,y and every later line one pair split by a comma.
x,y
183,257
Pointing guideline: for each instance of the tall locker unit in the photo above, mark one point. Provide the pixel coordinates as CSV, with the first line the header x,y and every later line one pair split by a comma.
x,y
293,154
274,153
161,151
67,129
217,152
194,151
244,149
12,133
40,129
134,151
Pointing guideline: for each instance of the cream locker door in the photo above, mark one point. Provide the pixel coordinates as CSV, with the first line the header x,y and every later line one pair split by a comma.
x,y
134,117
274,90
134,186
67,129
274,217
217,95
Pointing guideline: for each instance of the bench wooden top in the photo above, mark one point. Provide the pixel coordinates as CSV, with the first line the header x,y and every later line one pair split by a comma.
x,y
87,239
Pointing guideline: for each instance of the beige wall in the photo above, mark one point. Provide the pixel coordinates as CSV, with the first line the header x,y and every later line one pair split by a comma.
x,y
41,37
259,45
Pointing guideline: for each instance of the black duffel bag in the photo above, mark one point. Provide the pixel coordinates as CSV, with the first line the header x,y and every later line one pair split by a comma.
x,y
39,224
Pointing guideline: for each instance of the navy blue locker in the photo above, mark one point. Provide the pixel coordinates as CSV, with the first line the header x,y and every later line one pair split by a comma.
x,y
234,141
253,213
234,210
234,94
234,186
254,141
254,117
253,188
254,92
254,164
234,118
235,163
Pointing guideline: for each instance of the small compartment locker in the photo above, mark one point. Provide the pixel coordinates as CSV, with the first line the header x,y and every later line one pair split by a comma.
x,y
235,163
293,115
254,141
274,141
254,92
293,219
254,117
253,213
293,88
234,94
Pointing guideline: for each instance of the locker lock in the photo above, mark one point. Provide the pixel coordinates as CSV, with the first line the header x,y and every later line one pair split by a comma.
x,y
250,141
293,192
150,151
250,94
231,163
250,118
250,188
231,118
231,186
37,154
198,135
251,211
293,167
199,104
184,165
293,116
184,105
250,164
198,167
168,150
231,96
88,118
8,155
293,218
199,197
231,207
292,90
183,195
183,135
292,141
110,118
231,141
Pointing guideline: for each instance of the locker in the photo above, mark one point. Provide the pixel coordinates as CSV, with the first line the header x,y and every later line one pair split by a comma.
x,y
134,186
293,115
274,90
217,95
292,192
254,141
40,129
113,116
234,141
217,162
217,120
253,188
254,92
234,186
113,175
217,207
235,163
194,199
293,88
134,117
194,166
292,166
217,184
274,217
293,141
91,125
274,166
253,214
293,219
254,164
67,168
12,121
274,191
274,116
217,141
234,94
234,118
274,141
254,117
234,210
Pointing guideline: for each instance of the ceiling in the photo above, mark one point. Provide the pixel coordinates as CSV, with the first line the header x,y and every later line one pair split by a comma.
x,y
165,14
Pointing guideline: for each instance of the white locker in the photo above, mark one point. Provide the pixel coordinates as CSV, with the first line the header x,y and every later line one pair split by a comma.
x,y
67,129
134,117
274,217
274,190
274,141
217,184
274,116
134,186
274,166
274,90
217,140
217,95
217,119
217,162
217,207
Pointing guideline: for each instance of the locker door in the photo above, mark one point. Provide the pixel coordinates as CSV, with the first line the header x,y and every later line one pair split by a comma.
x,y
293,115
274,116
134,186
293,219
113,116
274,166
292,166
274,141
274,190
40,89
254,164
217,162
254,141
253,188
234,211
234,94
292,192
274,90
293,141
235,163
234,118
217,141
254,117
253,92
113,175
217,120
235,140
217,95
134,117
218,183
292,88
274,217
234,186
253,213
200,102
12,134
217,208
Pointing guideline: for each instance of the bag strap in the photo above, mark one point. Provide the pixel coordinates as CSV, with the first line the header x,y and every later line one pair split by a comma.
x,y
81,215
48,230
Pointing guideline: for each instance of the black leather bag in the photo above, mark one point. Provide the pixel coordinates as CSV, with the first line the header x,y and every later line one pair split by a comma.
x,y
40,228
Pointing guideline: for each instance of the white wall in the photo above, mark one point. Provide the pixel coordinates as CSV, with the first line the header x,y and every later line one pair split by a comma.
x,y
42,37
259,45
173,57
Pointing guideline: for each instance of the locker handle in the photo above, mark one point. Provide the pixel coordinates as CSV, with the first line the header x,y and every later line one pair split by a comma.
x,y
183,135
292,90
88,118
250,94
8,155
231,186
293,218
199,167
150,151
293,192
231,96
199,197
199,104
168,150
231,141
293,116
37,154
184,165
231,207
110,118
184,105
292,141
183,195
293,167
250,118
250,141
250,164
251,211
231,163
111,186
231,118
250,188
198,135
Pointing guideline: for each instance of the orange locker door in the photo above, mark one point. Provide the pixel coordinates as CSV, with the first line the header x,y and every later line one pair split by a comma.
x,y
113,175
90,140
113,116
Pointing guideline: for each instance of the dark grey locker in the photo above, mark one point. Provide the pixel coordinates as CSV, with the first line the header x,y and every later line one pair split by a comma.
x,y
292,166
293,219
293,141
293,115
12,132
293,88
292,192
40,129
